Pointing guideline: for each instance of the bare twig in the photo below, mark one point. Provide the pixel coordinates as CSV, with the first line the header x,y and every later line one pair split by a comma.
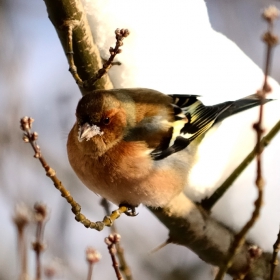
x,y
92,257
114,63
124,267
111,242
107,64
41,215
21,219
31,137
104,203
70,53
120,35
271,40
274,260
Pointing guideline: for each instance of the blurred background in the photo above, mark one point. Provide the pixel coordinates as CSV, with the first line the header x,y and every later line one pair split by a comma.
x,y
34,81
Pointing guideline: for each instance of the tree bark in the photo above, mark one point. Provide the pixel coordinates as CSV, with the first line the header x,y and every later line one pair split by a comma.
x,y
191,226
86,54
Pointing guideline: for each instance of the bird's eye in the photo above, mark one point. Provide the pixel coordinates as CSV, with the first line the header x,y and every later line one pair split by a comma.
x,y
106,121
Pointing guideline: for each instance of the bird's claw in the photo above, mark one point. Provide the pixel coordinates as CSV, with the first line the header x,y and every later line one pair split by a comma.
x,y
131,212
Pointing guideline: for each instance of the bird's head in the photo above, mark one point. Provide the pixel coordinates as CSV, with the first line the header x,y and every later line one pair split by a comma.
x,y
101,121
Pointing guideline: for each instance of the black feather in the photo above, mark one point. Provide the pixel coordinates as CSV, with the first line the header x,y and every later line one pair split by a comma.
x,y
179,144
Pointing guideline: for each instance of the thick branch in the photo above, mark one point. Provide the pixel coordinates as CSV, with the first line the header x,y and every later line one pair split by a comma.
x,y
86,54
189,225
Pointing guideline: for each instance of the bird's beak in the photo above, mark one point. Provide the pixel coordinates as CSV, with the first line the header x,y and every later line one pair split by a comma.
x,y
87,131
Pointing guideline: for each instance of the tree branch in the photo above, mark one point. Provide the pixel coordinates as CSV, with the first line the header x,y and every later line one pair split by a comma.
x,y
63,13
191,226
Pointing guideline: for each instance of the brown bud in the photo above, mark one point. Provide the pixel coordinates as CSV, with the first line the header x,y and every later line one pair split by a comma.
x,y
37,155
270,39
41,212
267,88
108,241
113,238
22,216
34,136
24,125
258,128
260,184
117,237
92,255
38,247
271,13
124,32
119,37
25,138
113,250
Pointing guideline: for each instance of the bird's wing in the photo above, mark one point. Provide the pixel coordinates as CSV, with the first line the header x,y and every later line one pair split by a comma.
x,y
199,117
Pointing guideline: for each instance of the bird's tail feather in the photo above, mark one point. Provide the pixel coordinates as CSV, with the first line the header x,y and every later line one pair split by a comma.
x,y
241,105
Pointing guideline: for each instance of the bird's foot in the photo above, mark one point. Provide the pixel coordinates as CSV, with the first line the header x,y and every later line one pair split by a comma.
x,y
131,210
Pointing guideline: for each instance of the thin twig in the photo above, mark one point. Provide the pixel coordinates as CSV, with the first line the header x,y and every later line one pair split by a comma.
x,y
104,203
111,242
270,39
239,238
274,260
31,137
124,267
41,215
92,257
70,53
120,35
107,64
21,220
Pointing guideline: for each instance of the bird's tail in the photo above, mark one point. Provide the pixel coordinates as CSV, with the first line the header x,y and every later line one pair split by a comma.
x,y
240,105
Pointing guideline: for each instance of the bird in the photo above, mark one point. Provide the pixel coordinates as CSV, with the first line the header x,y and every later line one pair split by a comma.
x,y
137,146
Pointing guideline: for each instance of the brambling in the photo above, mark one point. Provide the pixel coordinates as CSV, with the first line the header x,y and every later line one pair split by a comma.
x,y
134,146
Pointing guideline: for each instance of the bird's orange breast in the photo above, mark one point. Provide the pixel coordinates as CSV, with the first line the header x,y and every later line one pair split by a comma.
x,y
126,173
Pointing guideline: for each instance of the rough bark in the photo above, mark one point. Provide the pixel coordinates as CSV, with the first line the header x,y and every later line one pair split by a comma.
x,y
86,54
